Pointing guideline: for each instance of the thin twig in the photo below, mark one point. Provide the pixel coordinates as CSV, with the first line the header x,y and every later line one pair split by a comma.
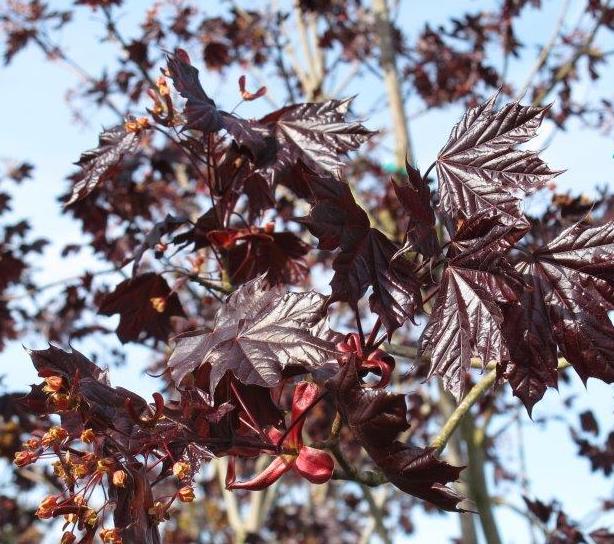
x,y
564,70
440,441
454,420
545,51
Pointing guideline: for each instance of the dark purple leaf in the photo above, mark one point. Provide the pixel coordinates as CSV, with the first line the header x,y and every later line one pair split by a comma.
x,y
132,503
366,257
97,165
376,418
335,218
479,168
145,305
415,197
540,510
200,111
467,319
154,236
572,291
258,333
315,133
369,262
589,423
602,536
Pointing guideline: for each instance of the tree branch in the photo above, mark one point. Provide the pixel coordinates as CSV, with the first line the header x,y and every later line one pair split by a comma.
x,y
440,441
384,30
476,479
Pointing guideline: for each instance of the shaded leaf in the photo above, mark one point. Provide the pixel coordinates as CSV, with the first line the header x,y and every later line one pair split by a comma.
x,y
376,418
366,257
97,165
145,305
589,423
154,236
539,509
200,111
133,502
55,361
415,197
279,255
334,218
369,262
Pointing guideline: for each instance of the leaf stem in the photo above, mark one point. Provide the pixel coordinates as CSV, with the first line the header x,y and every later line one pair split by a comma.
x,y
428,171
373,333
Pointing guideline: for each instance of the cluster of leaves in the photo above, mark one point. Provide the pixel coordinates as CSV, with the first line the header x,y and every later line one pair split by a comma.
x,y
503,295
206,204
559,528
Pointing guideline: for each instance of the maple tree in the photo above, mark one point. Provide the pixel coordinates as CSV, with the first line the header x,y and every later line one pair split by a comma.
x,y
216,214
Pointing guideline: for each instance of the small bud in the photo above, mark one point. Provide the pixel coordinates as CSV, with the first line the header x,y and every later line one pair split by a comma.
x,y
162,85
49,501
105,464
71,518
54,435
186,494
81,470
53,384
46,506
60,402
90,517
158,511
88,436
59,471
79,500
23,458
68,538
136,125
160,248
181,470
32,444
110,536
119,478
158,304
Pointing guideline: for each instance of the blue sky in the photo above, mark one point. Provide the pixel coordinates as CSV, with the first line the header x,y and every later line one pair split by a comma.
x,y
37,126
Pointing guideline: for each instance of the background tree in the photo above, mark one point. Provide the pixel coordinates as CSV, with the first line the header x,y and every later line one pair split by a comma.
x,y
186,202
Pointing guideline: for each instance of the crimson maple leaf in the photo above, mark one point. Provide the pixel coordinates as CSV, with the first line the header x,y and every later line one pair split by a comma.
x,y
97,164
145,305
376,418
258,332
571,292
479,167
